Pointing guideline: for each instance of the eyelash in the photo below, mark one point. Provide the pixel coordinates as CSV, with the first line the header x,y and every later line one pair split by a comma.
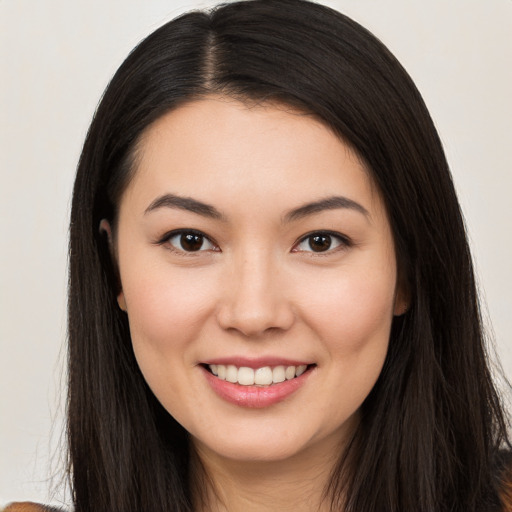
x,y
343,242
166,239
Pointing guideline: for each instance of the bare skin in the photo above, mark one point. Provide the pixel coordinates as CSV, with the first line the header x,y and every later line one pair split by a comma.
x,y
296,484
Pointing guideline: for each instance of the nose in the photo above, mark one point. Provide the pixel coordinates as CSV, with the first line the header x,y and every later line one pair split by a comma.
x,y
254,298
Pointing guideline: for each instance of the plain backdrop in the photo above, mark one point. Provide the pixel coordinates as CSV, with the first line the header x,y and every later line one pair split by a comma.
x,y
56,57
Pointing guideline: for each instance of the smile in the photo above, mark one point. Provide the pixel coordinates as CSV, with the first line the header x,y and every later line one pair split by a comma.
x,y
265,384
264,376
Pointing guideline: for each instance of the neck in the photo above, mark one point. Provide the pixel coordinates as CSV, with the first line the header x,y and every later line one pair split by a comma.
x,y
297,483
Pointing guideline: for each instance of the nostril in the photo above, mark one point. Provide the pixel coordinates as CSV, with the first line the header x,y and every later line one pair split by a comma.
x,y
254,319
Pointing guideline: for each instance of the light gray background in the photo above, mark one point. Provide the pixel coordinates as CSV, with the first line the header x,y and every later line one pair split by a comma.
x,y
56,57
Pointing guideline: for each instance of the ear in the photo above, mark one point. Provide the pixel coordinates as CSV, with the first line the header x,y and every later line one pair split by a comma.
x,y
106,229
402,300
121,302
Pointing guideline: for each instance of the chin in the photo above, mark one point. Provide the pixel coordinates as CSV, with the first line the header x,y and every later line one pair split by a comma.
x,y
260,452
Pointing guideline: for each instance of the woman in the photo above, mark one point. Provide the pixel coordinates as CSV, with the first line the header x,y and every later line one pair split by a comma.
x,y
272,303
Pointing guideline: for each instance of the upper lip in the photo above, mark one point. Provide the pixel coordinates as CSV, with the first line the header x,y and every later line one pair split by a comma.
x,y
257,362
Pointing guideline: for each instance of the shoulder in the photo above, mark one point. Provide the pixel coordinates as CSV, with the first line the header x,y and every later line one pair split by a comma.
x,y
28,506
506,482
506,494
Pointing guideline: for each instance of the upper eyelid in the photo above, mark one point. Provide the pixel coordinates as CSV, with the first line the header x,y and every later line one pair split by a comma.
x,y
328,232
345,243
174,232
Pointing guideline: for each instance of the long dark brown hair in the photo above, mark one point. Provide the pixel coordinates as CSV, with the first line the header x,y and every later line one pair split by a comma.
x,y
432,427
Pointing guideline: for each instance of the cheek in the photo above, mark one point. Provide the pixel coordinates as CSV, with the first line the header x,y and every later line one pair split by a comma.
x,y
166,309
167,312
353,312
352,318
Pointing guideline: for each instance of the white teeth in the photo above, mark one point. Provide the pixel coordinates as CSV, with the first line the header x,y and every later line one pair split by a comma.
x,y
290,372
232,373
246,376
221,371
264,376
278,374
300,370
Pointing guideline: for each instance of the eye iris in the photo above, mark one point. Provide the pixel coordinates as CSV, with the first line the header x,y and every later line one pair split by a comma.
x,y
319,243
191,242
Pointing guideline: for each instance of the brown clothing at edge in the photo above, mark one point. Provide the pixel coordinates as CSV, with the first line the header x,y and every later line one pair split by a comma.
x,y
506,497
27,506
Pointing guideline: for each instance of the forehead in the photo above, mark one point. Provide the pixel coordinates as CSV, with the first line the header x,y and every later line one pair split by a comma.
x,y
222,148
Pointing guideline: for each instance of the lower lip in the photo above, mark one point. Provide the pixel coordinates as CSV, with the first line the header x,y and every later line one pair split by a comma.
x,y
255,397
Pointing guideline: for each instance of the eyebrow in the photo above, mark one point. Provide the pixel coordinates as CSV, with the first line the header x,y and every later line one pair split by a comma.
x,y
184,203
207,210
329,203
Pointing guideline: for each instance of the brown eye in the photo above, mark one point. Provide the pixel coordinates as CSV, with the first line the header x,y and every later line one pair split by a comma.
x,y
190,241
321,242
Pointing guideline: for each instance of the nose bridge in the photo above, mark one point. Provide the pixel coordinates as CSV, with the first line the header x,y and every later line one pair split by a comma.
x,y
255,300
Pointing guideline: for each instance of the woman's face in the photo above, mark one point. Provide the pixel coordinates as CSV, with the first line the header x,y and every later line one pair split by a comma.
x,y
252,244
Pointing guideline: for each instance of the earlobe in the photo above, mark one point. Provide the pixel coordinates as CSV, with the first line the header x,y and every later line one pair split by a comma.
x,y
121,302
106,229
402,303
400,309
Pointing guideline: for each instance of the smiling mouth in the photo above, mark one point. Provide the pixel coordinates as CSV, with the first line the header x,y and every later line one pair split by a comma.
x,y
264,376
